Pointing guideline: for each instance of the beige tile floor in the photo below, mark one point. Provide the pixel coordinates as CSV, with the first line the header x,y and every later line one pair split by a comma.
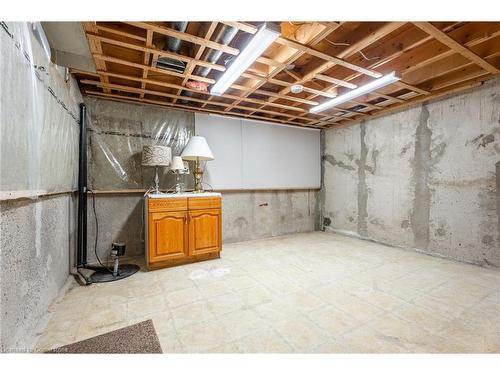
x,y
307,293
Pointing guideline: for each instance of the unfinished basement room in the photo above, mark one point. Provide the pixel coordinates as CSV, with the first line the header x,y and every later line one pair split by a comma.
x,y
228,186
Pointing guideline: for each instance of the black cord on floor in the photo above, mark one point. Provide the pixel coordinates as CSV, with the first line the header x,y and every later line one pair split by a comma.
x,y
97,232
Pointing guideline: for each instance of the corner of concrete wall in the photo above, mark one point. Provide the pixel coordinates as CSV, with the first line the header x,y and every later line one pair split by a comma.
x,y
425,178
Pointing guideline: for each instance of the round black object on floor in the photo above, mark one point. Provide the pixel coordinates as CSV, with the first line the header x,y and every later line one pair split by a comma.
x,y
102,275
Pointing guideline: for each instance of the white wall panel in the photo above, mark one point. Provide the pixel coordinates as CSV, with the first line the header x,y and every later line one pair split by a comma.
x,y
223,135
259,155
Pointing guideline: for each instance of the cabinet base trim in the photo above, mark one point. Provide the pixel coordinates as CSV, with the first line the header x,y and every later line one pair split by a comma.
x,y
185,260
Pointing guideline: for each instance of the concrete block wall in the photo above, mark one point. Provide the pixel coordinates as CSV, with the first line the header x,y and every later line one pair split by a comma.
x,y
426,178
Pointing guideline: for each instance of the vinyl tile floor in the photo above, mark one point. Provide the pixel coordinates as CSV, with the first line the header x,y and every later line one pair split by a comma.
x,y
304,293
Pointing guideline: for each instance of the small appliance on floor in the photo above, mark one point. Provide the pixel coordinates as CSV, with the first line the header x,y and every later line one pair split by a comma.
x,y
87,274
104,274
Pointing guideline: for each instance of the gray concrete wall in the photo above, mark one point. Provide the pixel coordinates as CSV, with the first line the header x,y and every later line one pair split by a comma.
x,y
36,236
38,154
249,215
425,178
246,215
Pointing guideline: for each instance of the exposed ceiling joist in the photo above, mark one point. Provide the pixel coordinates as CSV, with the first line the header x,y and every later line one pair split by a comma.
x,y
324,57
455,46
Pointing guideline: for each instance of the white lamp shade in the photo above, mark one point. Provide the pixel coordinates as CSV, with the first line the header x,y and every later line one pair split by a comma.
x,y
156,156
177,164
197,149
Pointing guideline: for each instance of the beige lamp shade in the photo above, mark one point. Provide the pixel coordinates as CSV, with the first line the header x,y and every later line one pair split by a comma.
x,y
156,156
177,164
197,149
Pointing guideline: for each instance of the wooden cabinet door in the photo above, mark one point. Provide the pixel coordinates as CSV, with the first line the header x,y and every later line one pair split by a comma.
x,y
168,235
205,231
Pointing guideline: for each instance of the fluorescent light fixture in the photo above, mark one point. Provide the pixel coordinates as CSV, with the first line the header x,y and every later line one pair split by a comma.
x,y
361,90
257,45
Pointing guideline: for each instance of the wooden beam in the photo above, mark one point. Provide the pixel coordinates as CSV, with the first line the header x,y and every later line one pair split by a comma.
x,y
335,60
416,89
313,52
120,32
455,46
336,81
156,51
367,40
156,70
95,47
315,40
190,108
410,52
182,88
190,67
450,52
149,43
478,81
188,98
185,36
197,78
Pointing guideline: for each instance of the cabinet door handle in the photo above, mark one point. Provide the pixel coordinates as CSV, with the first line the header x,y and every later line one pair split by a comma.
x,y
185,219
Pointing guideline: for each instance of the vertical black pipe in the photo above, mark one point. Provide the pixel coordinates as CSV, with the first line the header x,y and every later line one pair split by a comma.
x,y
81,251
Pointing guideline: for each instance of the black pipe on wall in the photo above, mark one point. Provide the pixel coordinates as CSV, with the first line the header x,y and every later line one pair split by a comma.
x,y
81,250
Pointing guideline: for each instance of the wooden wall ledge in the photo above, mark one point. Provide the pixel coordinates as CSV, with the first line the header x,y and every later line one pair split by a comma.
x,y
133,191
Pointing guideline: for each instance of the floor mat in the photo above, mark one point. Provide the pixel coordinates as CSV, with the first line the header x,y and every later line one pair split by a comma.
x,y
137,338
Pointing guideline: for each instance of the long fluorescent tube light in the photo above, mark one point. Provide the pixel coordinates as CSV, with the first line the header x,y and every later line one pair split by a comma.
x,y
257,45
361,90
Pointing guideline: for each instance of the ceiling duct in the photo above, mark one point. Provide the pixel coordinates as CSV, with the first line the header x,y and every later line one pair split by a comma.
x,y
173,45
225,35
68,45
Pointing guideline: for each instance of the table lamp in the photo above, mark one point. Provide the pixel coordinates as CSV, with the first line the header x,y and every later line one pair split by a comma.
x,y
156,156
179,167
197,149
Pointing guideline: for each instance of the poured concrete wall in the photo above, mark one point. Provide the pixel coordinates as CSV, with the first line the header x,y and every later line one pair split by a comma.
x,y
246,215
36,238
38,154
424,178
249,215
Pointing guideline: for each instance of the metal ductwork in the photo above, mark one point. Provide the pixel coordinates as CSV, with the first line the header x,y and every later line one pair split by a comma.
x,y
173,45
69,46
225,35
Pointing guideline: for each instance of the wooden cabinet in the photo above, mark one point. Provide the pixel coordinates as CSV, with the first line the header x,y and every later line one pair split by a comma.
x,y
169,236
204,231
182,230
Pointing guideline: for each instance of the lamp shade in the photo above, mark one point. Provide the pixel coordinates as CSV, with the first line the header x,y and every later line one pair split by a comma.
x,y
177,164
197,149
156,156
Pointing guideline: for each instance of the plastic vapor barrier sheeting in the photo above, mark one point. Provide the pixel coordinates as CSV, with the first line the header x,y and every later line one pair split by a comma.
x,y
38,118
116,135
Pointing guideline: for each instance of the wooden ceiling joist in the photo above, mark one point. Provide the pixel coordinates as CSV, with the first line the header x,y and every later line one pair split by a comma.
x,y
433,59
185,36
455,46
124,88
123,98
293,57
